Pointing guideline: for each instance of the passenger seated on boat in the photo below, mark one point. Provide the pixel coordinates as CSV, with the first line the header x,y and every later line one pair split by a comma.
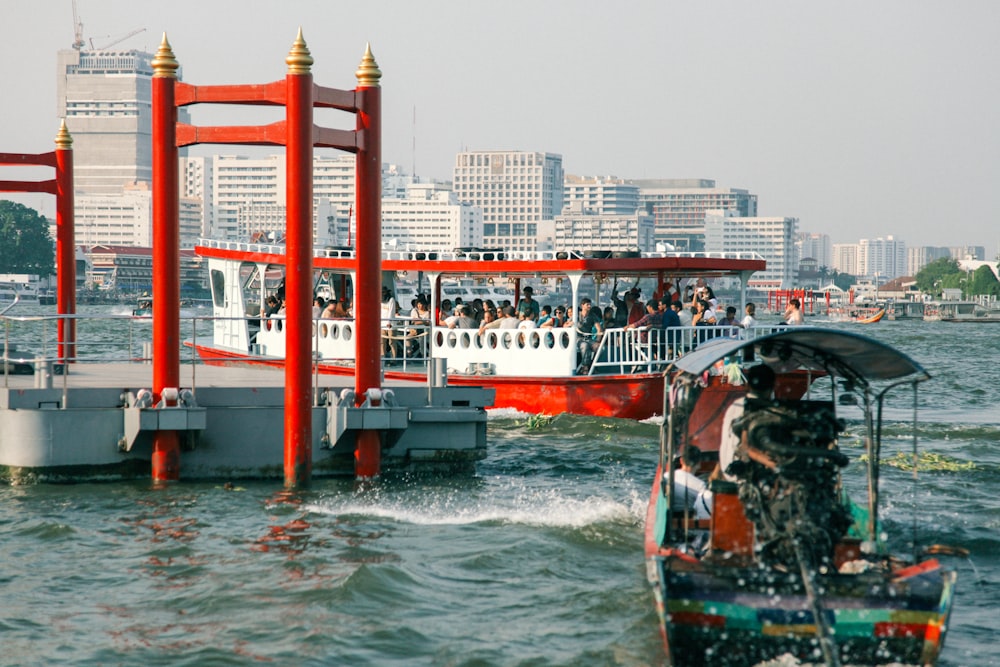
x,y
690,492
651,320
545,318
444,312
760,386
318,305
461,319
271,306
505,321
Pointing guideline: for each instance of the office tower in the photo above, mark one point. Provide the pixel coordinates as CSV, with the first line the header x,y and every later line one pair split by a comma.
x,y
516,190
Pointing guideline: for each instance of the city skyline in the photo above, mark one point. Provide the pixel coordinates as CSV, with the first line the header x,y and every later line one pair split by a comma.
x,y
860,121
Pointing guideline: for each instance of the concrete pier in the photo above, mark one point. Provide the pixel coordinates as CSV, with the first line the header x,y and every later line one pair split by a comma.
x,y
98,422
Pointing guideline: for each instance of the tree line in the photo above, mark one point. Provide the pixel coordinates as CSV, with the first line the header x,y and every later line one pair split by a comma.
x,y
25,243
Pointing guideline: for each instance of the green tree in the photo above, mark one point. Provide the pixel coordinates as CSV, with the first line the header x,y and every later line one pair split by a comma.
x,y
938,274
984,282
25,243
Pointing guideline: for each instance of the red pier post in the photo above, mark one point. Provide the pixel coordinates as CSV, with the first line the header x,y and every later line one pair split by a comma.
x,y
367,309
166,256
65,246
61,186
298,269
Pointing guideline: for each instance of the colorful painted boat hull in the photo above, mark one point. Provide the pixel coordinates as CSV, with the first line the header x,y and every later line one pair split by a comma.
x,y
732,613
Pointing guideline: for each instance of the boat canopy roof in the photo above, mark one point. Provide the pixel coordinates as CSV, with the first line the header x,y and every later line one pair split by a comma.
x,y
839,353
473,262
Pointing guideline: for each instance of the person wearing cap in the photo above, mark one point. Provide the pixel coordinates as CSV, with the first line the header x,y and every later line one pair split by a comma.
x,y
527,304
760,385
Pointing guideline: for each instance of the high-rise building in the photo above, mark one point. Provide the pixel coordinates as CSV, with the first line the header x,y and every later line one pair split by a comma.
x,y
679,206
845,258
106,99
881,259
601,196
771,238
815,246
516,190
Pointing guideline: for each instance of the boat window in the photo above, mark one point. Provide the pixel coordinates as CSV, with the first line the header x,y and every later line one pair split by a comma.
x,y
218,288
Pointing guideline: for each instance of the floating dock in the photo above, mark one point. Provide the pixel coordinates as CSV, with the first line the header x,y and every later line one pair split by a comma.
x,y
96,423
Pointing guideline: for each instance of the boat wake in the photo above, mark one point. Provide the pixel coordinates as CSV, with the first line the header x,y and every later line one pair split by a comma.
x,y
510,503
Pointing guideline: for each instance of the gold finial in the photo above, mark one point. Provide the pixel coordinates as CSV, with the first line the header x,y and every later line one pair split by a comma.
x,y
298,59
368,72
64,142
164,64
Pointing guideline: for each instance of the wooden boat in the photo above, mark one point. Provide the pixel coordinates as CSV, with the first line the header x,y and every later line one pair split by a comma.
x,y
871,319
786,565
536,370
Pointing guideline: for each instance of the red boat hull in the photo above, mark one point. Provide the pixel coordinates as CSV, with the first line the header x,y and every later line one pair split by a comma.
x,y
638,396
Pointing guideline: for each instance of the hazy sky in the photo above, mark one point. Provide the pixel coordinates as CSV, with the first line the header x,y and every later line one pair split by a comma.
x,y
861,118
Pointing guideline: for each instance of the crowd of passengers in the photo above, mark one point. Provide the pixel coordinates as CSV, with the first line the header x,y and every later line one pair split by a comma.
x,y
695,305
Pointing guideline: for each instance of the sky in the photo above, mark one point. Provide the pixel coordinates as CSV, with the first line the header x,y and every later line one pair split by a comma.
x,y
860,118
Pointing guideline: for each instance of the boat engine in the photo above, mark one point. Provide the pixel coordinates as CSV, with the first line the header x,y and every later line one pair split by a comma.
x,y
788,467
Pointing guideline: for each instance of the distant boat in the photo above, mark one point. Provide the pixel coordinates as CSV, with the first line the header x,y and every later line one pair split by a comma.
x,y
871,319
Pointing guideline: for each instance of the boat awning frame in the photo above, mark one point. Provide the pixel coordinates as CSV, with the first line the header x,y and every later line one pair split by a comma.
x,y
843,354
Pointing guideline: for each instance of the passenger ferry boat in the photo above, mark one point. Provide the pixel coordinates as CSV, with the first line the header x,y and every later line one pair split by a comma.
x,y
535,370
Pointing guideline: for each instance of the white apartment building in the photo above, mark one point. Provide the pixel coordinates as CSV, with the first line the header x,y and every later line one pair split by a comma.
x,y
581,229
845,258
516,190
430,218
601,195
126,218
770,237
881,259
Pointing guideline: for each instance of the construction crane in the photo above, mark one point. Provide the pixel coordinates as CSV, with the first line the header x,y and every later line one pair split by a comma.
x,y
120,39
78,42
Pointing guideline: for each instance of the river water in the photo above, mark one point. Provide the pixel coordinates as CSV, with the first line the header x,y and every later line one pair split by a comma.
x,y
537,559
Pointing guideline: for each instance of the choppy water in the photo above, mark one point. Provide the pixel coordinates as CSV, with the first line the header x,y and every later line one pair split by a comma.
x,y
535,560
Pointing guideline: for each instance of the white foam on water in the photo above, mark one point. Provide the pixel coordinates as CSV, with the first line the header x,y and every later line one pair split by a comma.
x,y
511,504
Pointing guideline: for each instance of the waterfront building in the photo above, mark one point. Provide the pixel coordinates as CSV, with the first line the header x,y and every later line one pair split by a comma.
x,y
773,238
601,195
430,218
129,268
581,229
516,190
679,207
